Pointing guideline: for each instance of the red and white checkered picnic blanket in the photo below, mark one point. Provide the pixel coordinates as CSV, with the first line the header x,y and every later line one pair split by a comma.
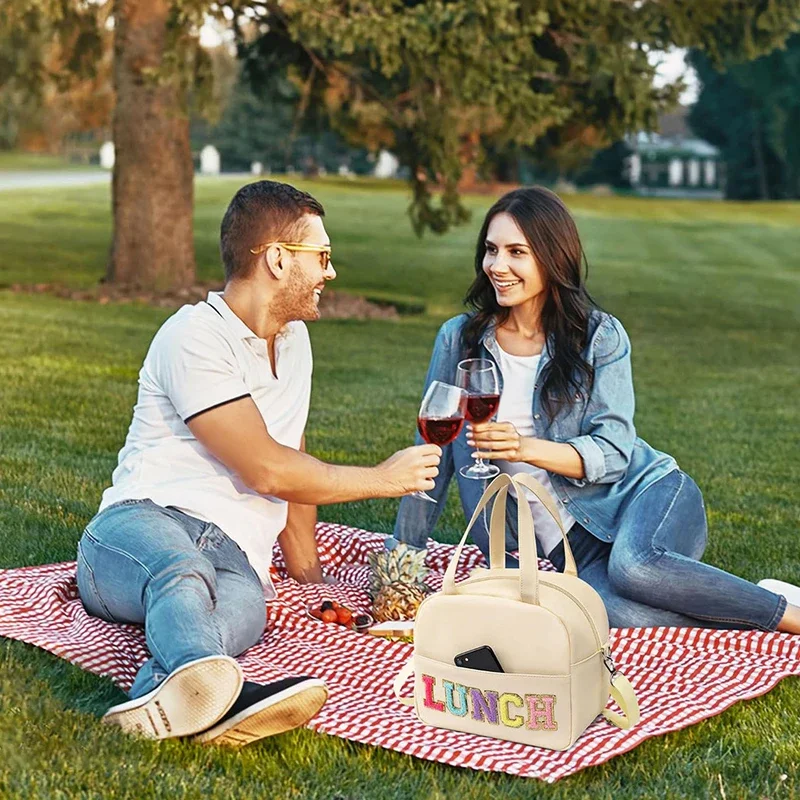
x,y
681,675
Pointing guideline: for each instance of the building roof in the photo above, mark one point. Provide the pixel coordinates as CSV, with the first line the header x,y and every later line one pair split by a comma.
x,y
674,138
675,123
680,147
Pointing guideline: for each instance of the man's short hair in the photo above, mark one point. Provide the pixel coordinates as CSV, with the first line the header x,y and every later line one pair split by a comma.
x,y
261,212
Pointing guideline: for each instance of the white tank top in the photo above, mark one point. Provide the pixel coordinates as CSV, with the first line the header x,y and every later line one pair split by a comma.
x,y
516,406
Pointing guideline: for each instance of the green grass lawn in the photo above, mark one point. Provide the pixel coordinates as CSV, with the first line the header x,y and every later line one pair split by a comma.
x,y
710,294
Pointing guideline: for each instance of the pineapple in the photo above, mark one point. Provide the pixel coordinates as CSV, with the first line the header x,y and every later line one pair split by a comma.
x,y
398,601
397,582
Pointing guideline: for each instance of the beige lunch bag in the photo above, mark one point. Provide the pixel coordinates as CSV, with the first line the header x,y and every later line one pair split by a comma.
x,y
548,631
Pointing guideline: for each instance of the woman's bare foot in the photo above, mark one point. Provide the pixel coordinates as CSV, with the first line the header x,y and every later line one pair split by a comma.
x,y
790,622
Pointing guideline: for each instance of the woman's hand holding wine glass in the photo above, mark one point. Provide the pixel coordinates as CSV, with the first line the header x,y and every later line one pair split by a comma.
x,y
498,440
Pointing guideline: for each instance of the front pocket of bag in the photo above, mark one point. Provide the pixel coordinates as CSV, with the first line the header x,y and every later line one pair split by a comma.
x,y
530,709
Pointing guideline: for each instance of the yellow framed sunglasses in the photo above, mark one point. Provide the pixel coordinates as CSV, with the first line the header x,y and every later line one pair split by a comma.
x,y
324,250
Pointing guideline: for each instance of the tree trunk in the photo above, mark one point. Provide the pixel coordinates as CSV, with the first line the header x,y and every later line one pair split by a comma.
x,y
152,188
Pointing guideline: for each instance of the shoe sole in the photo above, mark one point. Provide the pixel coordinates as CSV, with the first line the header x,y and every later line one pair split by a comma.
x,y
285,711
189,700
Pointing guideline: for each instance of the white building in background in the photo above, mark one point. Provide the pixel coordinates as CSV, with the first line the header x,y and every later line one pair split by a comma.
x,y
693,166
673,161
107,155
667,166
209,160
675,171
387,165
710,172
634,168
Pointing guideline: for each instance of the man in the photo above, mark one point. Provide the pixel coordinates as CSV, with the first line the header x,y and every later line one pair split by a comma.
x,y
214,470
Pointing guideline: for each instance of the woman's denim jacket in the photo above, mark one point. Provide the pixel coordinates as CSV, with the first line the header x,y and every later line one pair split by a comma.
x,y
618,465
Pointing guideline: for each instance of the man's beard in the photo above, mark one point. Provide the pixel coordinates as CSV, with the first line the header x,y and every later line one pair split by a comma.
x,y
297,301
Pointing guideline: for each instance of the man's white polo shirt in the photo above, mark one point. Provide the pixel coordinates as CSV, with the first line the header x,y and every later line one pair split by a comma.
x,y
202,357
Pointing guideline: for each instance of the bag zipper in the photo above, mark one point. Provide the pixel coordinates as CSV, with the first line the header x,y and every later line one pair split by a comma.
x,y
605,649
580,605
574,599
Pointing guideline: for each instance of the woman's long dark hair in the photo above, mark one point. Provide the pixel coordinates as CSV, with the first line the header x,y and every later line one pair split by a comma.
x,y
551,233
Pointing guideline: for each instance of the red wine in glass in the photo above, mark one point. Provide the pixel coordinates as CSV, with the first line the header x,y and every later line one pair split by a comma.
x,y
441,417
482,407
481,380
441,430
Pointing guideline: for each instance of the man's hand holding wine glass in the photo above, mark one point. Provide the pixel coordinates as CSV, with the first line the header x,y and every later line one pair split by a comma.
x,y
413,469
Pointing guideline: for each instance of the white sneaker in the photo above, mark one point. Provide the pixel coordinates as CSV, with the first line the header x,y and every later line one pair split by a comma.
x,y
788,590
187,701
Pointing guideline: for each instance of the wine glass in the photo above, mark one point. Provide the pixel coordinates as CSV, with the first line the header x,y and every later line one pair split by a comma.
x,y
441,417
480,378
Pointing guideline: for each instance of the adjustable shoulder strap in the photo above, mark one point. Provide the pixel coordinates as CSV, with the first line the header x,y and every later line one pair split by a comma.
x,y
405,672
625,697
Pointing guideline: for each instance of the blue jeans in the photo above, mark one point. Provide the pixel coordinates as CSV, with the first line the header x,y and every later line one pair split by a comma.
x,y
651,575
189,584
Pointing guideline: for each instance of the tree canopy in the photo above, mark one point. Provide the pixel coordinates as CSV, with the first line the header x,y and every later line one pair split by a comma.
x,y
440,82
751,111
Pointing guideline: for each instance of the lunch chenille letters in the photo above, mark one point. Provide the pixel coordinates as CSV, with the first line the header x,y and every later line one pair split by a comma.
x,y
536,711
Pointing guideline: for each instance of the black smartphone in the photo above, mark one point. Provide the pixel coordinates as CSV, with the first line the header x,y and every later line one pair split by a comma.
x,y
479,658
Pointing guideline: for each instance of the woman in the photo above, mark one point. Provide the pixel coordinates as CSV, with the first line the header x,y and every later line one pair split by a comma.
x,y
636,521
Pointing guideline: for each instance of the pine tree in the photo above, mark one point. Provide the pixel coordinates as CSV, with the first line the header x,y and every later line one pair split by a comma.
x,y
751,111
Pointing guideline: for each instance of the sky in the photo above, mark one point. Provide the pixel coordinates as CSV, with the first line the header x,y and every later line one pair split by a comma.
x,y
671,67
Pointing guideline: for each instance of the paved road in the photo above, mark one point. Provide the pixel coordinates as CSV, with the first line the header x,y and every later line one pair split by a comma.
x,y
41,179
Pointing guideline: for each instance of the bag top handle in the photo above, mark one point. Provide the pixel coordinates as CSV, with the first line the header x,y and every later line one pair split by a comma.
x,y
497,550
529,570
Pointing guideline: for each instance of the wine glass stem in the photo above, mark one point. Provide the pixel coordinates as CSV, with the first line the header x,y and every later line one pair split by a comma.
x,y
424,496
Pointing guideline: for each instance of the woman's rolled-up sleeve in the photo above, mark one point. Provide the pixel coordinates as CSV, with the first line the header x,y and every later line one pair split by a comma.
x,y
608,435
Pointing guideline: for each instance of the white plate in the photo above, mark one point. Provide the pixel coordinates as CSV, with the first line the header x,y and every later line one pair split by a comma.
x,y
355,614
393,629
